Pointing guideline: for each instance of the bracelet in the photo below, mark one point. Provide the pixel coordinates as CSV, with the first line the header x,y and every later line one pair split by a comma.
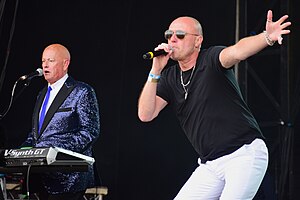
x,y
269,41
153,78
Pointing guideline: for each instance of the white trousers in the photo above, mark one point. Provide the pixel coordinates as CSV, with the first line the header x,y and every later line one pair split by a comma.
x,y
236,176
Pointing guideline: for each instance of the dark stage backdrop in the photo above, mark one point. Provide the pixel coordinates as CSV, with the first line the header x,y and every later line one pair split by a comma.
x,y
106,39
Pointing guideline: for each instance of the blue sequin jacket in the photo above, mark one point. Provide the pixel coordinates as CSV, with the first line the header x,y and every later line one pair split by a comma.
x,y
72,122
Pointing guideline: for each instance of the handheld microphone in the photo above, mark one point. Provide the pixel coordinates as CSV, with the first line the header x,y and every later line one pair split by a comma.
x,y
152,54
37,72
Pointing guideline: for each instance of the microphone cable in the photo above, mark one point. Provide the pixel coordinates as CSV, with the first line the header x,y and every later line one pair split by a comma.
x,y
27,181
27,82
11,100
12,30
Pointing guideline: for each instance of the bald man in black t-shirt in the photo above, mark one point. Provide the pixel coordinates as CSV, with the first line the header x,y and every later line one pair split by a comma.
x,y
208,103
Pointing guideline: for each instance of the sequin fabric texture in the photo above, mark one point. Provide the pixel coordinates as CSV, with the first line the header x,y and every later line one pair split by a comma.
x,y
73,123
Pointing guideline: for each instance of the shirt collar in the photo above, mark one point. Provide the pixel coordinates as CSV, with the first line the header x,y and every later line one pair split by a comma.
x,y
59,83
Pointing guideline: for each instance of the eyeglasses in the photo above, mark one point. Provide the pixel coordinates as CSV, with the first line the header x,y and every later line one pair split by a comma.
x,y
179,34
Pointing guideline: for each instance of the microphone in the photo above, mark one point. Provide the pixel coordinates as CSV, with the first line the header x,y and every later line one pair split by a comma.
x,y
152,54
37,72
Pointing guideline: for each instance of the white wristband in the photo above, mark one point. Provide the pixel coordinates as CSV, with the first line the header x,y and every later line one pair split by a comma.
x,y
269,41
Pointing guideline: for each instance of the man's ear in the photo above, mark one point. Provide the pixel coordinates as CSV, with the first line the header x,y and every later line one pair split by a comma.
x,y
66,64
199,41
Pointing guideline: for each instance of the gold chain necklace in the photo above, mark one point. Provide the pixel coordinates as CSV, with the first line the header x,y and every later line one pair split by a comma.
x,y
184,85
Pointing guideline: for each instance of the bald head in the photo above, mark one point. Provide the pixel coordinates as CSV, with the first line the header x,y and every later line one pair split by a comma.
x,y
190,23
61,51
55,62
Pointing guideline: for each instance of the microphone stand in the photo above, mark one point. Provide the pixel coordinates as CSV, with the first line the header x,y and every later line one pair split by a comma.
x,y
12,96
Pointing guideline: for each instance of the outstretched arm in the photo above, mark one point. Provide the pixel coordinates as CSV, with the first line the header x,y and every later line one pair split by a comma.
x,y
249,46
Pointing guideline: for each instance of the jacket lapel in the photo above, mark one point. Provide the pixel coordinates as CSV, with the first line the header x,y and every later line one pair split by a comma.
x,y
58,100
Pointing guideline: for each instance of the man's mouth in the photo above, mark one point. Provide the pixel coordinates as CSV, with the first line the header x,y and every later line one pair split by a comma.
x,y
46,72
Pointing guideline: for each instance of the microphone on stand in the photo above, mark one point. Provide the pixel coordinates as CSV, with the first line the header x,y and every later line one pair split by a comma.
x,y
27,78
37,72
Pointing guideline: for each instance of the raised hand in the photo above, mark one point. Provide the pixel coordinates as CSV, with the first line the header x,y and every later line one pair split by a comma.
x,y
276,29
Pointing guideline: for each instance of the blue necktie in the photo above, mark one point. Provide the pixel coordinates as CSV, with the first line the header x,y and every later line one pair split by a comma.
x,y
43,112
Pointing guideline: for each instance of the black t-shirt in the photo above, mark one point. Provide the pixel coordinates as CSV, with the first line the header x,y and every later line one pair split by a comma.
x,y
214,117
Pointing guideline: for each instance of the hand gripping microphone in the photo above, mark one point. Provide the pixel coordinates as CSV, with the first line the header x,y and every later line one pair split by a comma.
x,y
152,54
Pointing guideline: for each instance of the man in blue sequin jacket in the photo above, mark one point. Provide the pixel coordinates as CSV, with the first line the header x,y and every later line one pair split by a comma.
x,y
71,122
